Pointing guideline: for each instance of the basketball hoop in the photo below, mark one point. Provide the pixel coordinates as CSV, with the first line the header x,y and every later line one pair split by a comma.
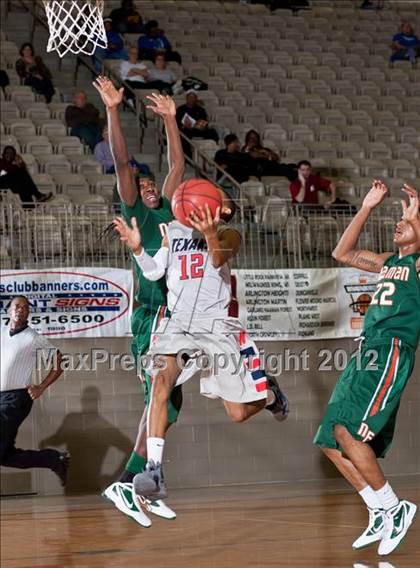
x,y
75,25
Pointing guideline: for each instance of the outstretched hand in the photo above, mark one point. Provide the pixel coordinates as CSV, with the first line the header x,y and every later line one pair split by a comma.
x,y
129,235
163,105
410,211
111,96
207,224
376,194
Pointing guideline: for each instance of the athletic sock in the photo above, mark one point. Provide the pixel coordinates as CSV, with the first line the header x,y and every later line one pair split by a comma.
x,y
271,398
370,498
134,465
387,497
155,449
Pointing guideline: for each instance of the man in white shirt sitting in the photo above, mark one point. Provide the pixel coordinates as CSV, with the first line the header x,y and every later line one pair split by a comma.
x,y
138,76
20,348
133,72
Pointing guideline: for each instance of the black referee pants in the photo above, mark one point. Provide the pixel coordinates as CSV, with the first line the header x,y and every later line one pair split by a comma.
x,y
15,405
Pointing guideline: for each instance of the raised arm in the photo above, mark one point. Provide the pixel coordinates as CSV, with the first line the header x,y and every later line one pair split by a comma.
x,y
112,98
346,251
165,107
411,212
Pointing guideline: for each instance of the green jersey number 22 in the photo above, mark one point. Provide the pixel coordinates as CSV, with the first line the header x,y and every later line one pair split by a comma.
x,y
383,293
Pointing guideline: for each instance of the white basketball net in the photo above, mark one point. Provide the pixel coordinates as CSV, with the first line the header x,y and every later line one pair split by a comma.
x,y
75,25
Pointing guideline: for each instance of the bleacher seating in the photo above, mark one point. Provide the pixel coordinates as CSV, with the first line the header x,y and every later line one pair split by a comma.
x,y
310,84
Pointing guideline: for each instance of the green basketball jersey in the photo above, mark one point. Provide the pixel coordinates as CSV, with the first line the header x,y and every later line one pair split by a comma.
x,y
395,307
151,293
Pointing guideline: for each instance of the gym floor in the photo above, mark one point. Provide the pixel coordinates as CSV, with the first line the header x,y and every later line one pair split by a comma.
x,y
302,524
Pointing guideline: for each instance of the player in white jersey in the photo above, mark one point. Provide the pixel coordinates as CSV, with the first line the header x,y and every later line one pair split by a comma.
x,y
196,262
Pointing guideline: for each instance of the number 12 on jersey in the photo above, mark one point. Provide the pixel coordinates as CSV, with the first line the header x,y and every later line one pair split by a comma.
x,y
191,266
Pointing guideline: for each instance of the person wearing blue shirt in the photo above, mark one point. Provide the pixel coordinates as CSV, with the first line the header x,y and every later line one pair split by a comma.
x,y
154,41
115,49
405,45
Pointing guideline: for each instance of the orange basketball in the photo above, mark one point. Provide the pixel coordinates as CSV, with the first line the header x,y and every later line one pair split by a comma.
x,y
193,194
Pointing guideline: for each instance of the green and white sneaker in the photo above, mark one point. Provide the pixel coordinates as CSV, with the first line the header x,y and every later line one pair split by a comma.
x,y
397,522
159,508
374,531
126,501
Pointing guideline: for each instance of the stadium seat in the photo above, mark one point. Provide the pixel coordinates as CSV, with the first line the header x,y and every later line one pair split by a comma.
x,y
53,163
403,169
275,214
405,151
30,163
51,127
23,126
35,111
34,144
58,110
83,164
67,145
253,190
344,167
20,94
101,184
70,183
9,110
375,169
45,183
47,238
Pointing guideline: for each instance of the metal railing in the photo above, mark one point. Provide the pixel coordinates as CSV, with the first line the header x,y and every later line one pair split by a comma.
x,y
62,234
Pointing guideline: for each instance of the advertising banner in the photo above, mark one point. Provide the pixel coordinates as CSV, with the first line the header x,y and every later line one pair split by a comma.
x,y
72,302
297,304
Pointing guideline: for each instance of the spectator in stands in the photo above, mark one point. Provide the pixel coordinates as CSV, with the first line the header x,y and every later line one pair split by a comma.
x,y
405,45
304,189
155,42
84,120
236,163
266,161
102,153
15,176
115,48
160,77
34,72
255,149
137,75
127,19
193,122
133,71
4,79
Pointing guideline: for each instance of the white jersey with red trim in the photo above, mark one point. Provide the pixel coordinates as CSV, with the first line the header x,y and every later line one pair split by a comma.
x,y
194,284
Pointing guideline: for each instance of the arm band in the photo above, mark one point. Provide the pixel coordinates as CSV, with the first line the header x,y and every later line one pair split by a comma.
x,y
153,267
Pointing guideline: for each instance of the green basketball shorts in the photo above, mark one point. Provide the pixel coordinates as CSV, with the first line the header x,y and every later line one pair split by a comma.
x,y
367,395
144,322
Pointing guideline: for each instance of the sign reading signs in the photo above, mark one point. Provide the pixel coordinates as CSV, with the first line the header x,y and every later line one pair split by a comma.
x,y
73,302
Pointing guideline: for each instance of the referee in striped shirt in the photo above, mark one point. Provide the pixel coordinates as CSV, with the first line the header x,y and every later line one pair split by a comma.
x,y
19,346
